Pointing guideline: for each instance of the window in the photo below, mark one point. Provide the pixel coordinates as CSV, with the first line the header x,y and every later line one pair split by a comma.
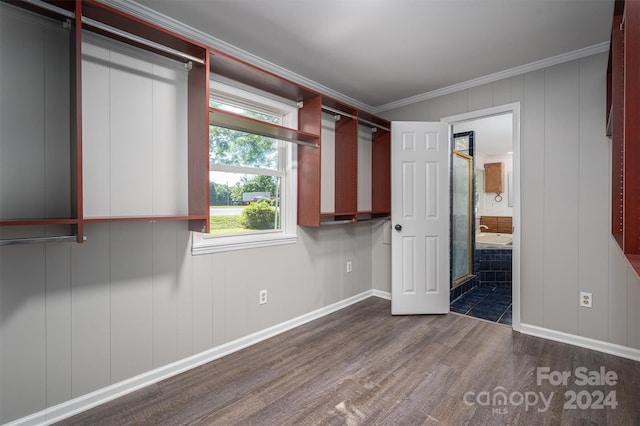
x,y
252,185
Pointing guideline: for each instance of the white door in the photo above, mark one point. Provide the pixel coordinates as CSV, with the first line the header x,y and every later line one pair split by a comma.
x,y
420,218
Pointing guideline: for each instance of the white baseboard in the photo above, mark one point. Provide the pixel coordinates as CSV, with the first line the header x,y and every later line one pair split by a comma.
x,y
381,294
584,342
85,402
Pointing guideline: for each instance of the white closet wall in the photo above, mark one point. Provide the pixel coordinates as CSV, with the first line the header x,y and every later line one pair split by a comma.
x,y
134,132
35,179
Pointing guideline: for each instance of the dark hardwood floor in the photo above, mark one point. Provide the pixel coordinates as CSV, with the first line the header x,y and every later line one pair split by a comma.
x,y
363,366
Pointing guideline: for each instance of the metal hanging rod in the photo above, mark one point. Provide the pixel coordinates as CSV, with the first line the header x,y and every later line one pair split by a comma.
x,y
309,144
40,240
336,222
371,123
337,111
104,27
373,219
50,8
362,120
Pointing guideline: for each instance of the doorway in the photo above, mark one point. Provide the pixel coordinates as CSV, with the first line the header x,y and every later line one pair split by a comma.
x,y
491,291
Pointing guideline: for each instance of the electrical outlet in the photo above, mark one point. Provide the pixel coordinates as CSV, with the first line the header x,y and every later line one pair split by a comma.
x,y
349,266
586,299
263,297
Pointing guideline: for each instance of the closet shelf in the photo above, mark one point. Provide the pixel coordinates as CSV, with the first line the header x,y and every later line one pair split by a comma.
x,y
229,120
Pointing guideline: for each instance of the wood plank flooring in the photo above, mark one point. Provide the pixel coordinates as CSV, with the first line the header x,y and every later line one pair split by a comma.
x,y
362,366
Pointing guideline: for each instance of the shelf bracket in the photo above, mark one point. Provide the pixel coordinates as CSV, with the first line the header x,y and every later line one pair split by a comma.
x,y
188,65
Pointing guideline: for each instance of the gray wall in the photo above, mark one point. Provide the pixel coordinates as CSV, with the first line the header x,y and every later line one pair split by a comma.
x,y
77,317
565,195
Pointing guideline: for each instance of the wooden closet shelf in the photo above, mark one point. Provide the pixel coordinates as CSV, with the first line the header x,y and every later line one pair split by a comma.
x,y
229,120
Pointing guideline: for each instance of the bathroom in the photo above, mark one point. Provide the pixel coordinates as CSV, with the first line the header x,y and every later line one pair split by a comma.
x,y
482,218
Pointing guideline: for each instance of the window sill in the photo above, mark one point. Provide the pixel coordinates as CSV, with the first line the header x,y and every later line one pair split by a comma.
x,y
208,245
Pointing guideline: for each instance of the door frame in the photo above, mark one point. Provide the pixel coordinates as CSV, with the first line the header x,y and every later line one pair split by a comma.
x,y
514,109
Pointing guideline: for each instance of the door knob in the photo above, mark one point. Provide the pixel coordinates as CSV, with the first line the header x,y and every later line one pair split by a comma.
x,y
398,227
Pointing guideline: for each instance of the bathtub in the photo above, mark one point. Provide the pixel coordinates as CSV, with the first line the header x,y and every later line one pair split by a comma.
x,y
493,238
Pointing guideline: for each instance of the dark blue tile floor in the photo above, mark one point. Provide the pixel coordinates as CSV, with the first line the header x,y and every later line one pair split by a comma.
x,y
489,303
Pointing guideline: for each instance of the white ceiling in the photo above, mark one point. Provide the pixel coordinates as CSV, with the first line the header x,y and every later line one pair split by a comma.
x,y
381,51
492,135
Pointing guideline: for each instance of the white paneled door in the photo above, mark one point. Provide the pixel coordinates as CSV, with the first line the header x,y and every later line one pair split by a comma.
x,y
420,218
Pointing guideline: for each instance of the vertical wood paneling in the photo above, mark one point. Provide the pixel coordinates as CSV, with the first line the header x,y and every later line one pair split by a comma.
x,y
57,123
91,311
169,152
517,89
561,169
135,132
202,302
185,293
617,294
96,155
362,277
633,313
532,198
131,299
236,293
501,92
22,119
131,129
58,322
480,97
165,290
219,278
22,331
593,199
57,134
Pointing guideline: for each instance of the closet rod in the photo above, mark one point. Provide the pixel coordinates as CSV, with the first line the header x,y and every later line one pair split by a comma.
x,y
337,111
336,222
373,218
104,27
51,8
39,240
371,123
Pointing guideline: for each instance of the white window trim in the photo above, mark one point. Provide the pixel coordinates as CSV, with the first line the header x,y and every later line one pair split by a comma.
x,y
207,243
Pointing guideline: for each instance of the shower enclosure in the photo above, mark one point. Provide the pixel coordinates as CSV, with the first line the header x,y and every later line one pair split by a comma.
x,y
462,208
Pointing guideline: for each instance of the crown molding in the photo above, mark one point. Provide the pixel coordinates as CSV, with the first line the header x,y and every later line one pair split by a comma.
x,y
511,72
150,15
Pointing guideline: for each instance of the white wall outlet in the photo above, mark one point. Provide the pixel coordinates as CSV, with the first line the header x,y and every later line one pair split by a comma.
x,y
349,266
263,297
586,299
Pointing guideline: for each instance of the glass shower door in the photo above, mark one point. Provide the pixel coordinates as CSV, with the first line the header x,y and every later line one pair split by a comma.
x,y
461,217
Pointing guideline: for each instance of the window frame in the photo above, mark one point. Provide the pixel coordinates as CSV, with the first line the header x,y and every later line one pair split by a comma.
x,y
287,171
